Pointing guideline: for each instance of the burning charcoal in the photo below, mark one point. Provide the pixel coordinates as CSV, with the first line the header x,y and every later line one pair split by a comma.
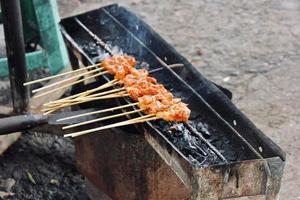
x,y
180,143
203,128
177,129
193,160
144,65
231,155
173,128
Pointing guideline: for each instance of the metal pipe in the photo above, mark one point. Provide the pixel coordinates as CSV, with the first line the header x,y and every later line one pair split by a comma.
x,y
95,37
14,39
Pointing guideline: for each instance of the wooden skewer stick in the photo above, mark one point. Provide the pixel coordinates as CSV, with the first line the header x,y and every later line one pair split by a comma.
x,y
87,98
115,81
118,125
104,86
110,96
66,80
103,93
83,100
98,111
58,75
102,119
124,123
70,84
78,99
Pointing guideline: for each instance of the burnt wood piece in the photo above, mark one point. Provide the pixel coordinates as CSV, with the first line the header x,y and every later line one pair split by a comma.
x,y
15,51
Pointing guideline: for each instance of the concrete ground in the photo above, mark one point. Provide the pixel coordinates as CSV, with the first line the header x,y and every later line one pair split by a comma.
x,y
250,47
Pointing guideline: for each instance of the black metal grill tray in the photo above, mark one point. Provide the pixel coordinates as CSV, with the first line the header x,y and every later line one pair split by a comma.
x,y
110,24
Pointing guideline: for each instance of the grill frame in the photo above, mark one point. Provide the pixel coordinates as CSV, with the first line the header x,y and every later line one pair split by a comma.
x,y
219,176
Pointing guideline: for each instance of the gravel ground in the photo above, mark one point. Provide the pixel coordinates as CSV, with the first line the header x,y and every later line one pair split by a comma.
x,y
250,47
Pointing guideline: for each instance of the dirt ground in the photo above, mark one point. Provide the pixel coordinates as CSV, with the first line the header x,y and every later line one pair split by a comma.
x,y
250,47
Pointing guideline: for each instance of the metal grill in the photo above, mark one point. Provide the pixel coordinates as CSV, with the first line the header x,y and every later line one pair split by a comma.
x,y
210,138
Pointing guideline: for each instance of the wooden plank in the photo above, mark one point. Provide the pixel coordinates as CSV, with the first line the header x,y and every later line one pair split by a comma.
x,y
7,140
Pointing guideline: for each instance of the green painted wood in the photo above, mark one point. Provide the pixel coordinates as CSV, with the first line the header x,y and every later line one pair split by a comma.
x,y
30,26
51,38
33,60
40,20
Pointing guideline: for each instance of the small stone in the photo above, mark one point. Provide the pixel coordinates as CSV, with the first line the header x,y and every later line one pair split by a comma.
x,y
7,184
4,195
234,122
54,182
17,173
199,52
135,2
226,79
173,128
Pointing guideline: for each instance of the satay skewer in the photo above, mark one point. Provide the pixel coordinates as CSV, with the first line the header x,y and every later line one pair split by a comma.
x,y
67,79
83,99
99,111
110,96
104,86
70,84
102,119
78,99
59,75
142,119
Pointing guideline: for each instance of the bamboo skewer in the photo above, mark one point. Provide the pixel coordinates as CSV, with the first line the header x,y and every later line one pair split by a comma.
x,y
102,93
87,92
68,85
67,79
83,101
110,96
104,86
87,99
78,99
98,111
117,95
102,119
124,123
58,75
